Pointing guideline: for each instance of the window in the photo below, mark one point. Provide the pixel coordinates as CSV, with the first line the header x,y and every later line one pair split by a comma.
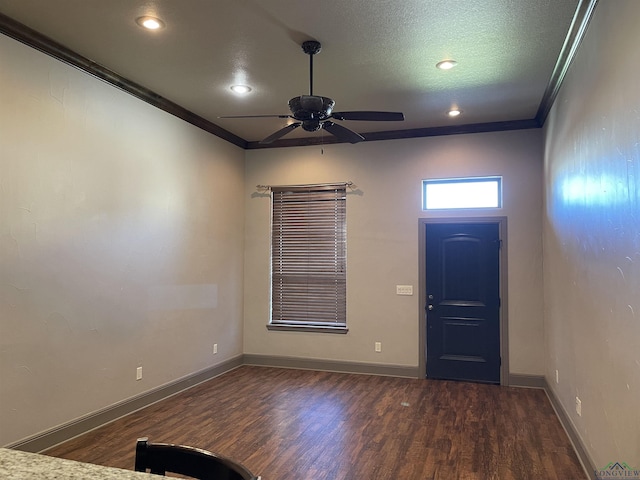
x,y
308,258
451,193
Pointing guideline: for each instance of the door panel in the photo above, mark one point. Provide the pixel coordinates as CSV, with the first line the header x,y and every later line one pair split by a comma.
x,y
463,304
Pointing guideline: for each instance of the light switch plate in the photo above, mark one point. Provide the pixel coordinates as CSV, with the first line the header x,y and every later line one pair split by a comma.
x,y
404,289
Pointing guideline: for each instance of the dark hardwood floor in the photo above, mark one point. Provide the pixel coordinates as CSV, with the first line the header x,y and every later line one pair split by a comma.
x,y
288,424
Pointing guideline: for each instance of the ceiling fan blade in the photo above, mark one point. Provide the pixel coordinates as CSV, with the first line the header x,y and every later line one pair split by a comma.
x,y
256,116
370,116
342,133
280,133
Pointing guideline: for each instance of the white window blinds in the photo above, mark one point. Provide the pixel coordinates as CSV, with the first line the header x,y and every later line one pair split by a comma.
x,y
308,256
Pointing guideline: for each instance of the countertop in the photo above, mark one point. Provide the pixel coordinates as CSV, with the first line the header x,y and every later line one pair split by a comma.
x,y
17,465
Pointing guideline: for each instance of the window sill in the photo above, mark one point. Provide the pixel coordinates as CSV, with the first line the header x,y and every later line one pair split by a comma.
x,y
307,328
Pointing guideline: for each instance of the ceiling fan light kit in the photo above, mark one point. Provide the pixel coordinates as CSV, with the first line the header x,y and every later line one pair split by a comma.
x,y
314,112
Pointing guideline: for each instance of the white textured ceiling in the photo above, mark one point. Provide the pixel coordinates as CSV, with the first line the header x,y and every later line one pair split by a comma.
x,y
376,54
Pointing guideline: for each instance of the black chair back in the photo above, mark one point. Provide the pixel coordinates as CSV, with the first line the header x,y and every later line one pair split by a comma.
x,y
160,458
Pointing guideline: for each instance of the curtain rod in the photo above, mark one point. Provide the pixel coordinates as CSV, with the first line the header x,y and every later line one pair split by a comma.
x,y
310,185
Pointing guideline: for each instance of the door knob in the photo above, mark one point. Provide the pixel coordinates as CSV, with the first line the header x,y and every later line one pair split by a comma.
x,y
429,307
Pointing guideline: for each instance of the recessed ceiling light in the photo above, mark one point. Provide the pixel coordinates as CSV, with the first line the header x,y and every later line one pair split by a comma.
x,y
454,112
150,23
241,89
446,64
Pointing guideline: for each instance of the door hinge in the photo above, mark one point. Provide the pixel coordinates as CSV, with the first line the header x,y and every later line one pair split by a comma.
x,y
499,302
500,361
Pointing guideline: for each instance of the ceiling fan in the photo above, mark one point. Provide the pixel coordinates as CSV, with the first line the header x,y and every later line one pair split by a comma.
x,y
313,112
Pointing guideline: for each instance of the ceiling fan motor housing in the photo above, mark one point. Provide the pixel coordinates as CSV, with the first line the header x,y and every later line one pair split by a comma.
x,y
311,107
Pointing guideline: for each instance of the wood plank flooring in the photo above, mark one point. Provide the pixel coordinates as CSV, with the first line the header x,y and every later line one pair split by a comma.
x,y
289,424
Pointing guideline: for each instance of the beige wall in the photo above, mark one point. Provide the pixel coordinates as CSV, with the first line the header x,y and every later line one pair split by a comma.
x,y
382,226
121,231
592,237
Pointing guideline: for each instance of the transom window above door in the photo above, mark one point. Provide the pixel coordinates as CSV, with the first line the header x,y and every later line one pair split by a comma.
x,y
462,193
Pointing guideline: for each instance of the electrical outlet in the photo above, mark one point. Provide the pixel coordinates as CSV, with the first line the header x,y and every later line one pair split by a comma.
x,y
378,346
139,373
557,377
215,348
578,407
